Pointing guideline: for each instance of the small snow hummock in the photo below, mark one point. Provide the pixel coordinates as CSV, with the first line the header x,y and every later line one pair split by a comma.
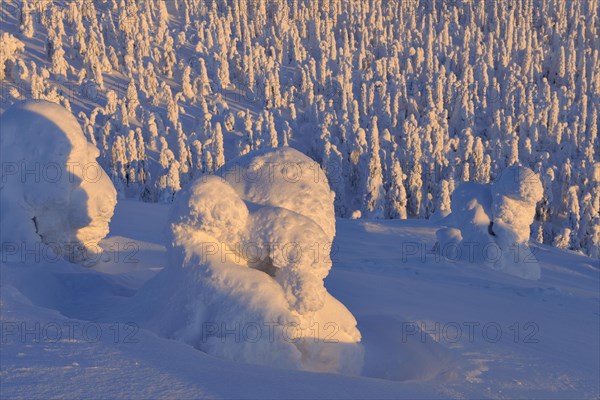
x,y
490,224
53,192
248,254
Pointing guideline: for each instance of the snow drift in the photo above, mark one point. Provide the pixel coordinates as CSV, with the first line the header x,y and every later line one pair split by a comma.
x,y
490,224
53,192
248,256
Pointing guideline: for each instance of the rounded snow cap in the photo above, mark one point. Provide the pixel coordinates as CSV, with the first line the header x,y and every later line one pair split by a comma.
x,y
286,178
519,183
212,206
52,189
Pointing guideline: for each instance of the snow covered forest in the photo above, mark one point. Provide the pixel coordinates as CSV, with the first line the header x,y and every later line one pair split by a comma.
x,y
399,101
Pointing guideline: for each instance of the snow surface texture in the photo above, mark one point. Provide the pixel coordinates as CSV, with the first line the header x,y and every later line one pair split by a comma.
x,y
490,224
52,191
407,307
251,254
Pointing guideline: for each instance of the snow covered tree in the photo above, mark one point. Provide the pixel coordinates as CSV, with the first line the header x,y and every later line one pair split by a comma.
x,y
374,195
132,99
573,217
396,195
517,93
218,150
26,20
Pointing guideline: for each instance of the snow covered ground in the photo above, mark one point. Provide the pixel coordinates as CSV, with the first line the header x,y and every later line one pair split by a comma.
x,y
487,334
414,108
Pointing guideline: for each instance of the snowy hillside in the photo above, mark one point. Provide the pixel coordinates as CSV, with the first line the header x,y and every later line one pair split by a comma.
x,y
399,101
299,199
247,275
487,334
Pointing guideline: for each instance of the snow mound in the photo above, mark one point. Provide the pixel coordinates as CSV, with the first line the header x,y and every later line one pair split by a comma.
x,y
53,192
515,195
490,224
245,280
221,213
283,178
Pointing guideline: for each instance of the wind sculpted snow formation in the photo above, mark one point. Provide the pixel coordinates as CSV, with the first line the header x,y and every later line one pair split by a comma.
x,y
490,224
53,192
248,252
